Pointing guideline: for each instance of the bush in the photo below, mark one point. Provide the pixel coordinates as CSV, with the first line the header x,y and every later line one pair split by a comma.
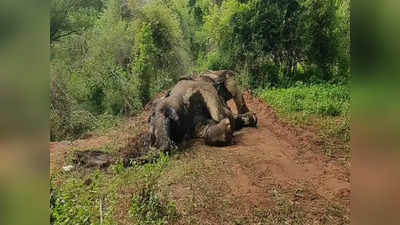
x,y
243,78
131,53
216,61
111,86
280,42
81,122
64,204
67,121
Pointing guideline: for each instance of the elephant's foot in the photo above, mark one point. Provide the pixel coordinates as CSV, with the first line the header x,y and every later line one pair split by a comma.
x,y
220,134
248,119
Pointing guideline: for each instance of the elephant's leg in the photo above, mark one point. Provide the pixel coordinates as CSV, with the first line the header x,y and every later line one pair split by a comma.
x,y
215,134
237,121
220,134
237,96
214,105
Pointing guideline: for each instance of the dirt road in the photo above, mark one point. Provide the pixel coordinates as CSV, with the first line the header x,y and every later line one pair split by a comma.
x,y
286,156
273,174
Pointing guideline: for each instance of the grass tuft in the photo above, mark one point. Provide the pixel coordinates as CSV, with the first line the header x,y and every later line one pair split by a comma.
x,y
148,208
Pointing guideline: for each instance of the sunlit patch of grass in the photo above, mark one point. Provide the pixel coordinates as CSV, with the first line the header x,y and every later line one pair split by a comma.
x,y
326,107
323,100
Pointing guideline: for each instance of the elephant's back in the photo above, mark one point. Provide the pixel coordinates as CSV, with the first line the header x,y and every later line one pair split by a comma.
x,y
189,87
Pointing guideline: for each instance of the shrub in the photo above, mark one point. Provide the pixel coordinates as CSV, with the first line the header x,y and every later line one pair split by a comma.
x,y
280,42
243,78
76,197
67,121
130,53
81,122
167,51
216,61
65,212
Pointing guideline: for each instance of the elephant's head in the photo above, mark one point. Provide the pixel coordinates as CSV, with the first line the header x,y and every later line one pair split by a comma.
x,y
163,120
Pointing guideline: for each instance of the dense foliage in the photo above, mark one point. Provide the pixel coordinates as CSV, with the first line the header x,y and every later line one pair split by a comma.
x,y
279,42
110,57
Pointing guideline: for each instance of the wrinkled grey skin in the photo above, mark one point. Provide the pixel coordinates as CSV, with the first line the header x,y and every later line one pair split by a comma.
x,y
195,108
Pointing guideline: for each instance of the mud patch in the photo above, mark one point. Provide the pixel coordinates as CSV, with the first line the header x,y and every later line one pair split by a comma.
x,y
89,159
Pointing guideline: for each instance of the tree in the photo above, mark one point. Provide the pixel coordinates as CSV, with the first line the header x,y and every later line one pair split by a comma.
x,y
69,17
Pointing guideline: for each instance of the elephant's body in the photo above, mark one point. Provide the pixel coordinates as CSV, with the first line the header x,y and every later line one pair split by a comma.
x,y
196,107
226,86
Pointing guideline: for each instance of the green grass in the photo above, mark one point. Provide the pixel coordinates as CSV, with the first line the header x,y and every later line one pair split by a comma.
x,y
326,107
124,195
323,100
149,208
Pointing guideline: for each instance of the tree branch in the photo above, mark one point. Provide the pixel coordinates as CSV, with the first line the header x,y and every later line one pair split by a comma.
x,y
61,35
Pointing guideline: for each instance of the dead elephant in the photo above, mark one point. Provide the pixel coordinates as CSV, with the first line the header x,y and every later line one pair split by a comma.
x,y
196,107
225,83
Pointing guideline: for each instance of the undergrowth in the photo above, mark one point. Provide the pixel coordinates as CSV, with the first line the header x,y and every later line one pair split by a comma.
x,y
324,106
148,208
112,196
323,100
